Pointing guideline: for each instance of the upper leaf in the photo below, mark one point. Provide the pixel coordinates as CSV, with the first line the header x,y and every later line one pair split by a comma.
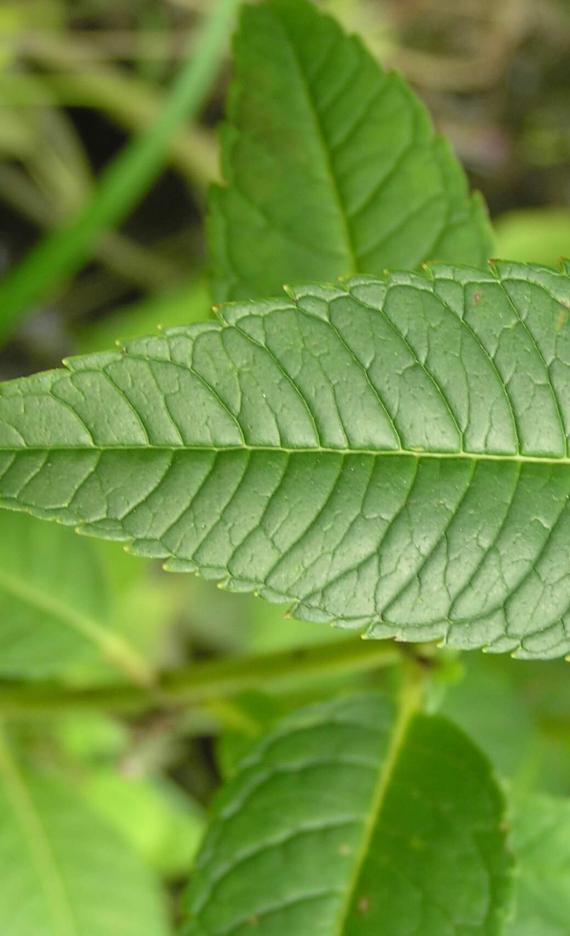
x,y
348,820
542,840
389,454
331,165
64,871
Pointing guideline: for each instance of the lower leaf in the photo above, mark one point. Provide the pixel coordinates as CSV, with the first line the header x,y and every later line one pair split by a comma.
x,y
352,819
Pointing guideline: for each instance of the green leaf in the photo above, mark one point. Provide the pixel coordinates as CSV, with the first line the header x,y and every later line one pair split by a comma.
x,y
163,824
54,604
64,871
539,235
488,705
349,819
542,842
189,303
331,165
392,455
519,716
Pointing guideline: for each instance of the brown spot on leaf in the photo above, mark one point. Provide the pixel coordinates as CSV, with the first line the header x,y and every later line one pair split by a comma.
x,y
363,905
562,316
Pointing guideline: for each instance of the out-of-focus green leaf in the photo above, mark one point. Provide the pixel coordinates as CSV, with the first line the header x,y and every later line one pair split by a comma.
x,y
55,604
489,708
505,709
66,872
537,235
251,716
188,305
91,738
542,845
162,823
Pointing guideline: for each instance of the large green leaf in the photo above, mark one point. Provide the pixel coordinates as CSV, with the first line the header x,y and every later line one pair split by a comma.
x,y
331,165
542,840
64,871
54,604
392,455
350,820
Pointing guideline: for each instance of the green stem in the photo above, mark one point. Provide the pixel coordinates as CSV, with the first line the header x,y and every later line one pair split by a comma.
x,y
62,253
204,682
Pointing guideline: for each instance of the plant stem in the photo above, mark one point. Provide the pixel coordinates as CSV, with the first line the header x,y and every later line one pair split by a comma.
x,y
120,187
204,682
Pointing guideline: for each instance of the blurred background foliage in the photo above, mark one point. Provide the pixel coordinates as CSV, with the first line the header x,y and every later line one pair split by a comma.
x,y
80,81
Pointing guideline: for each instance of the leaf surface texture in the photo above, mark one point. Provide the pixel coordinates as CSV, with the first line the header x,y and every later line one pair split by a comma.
x,y
392,455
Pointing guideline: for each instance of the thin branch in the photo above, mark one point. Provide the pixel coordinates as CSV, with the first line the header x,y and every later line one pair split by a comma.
x,y
202,683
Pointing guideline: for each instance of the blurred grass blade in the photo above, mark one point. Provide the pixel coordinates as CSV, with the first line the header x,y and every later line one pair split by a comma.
x,y
128,100
541,833
122,184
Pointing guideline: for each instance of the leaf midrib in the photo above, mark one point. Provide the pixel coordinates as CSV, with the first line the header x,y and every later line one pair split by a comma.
x,y
516,457
327,162
410,697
